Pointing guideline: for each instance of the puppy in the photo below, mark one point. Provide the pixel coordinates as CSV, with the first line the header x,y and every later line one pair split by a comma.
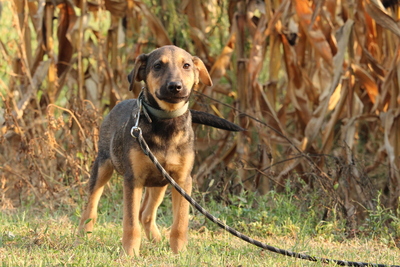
x,y
170,74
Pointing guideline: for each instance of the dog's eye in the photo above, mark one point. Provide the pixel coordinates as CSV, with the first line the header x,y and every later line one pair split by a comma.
x,y
186,66
157,66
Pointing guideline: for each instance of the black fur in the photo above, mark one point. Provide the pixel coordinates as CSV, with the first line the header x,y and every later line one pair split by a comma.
x,y
205,118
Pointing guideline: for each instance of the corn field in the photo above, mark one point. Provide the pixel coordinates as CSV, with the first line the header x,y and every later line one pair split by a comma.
x,y
316,83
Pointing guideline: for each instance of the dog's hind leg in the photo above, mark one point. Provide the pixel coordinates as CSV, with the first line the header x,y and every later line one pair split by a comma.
x,y
131,225
100,175
179,229
148,212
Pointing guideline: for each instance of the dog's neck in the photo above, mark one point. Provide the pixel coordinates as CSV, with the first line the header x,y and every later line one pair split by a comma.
x,y
163,114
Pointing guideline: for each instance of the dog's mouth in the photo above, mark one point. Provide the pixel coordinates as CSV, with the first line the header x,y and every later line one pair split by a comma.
x,y
172,97
167,102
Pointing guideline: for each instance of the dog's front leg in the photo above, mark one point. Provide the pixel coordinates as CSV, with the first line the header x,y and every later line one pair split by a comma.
x,y
179,229
148,212
131,226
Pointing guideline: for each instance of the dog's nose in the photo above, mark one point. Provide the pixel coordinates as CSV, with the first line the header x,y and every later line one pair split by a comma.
x,y
174,87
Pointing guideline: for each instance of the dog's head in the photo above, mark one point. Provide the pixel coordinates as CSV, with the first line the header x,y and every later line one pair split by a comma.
x,y
170,73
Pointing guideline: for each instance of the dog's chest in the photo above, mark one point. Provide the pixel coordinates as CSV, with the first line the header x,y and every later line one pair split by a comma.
x,y
171,150
175,153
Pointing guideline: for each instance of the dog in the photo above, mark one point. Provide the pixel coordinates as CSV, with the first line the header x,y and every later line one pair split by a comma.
x,y
170,74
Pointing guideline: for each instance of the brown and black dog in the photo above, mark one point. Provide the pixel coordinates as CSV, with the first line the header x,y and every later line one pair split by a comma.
x,y
170,74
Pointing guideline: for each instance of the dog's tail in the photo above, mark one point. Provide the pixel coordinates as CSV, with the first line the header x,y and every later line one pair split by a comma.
x,y
205,118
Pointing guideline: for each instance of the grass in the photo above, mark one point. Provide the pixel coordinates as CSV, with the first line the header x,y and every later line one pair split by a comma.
x,y
32,236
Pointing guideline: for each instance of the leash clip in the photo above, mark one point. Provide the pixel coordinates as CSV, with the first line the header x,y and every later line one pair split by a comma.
x,y
136,130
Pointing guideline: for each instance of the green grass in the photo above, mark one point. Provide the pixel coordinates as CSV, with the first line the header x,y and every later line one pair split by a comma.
x,y
32,236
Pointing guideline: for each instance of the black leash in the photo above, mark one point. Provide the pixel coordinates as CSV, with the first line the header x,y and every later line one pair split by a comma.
x,y
136,132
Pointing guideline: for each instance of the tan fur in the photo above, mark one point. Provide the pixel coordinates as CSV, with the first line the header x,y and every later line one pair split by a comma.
x,y
105,172
147,215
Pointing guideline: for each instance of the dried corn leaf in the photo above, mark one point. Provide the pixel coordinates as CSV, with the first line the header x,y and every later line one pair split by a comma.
x,y
367,81
76,29
116,7
276,123
316,37
219,67
24,31
35,11
91,86
67,19
316,122
257,53
349,130
195,14
158,30
200,41
376,11
391,123
37,79
338,104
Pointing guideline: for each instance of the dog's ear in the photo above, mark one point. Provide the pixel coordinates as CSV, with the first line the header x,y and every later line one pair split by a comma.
x,y
139,70
203,73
